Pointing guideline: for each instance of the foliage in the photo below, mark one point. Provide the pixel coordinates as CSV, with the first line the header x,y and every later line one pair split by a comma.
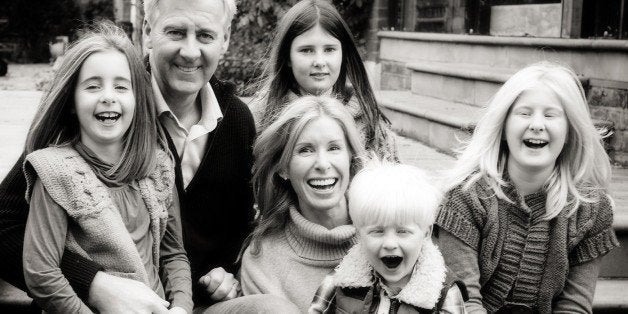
x,y
253,28
32,24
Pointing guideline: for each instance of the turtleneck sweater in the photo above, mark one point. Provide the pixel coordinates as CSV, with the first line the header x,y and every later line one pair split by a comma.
x,y
293,262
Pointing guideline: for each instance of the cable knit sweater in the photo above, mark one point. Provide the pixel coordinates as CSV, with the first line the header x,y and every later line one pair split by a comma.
x,y
292,263
522,258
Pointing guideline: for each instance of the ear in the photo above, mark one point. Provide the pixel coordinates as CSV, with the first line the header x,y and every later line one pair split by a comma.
x,y
428,232
146,34
283,174
227,36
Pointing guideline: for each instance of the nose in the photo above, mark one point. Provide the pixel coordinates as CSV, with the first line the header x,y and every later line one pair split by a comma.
x,y
190,50
319,60
537,123
322,161
108,96
390,241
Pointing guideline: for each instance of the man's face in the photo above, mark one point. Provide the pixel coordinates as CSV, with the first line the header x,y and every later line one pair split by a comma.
x,y
186,40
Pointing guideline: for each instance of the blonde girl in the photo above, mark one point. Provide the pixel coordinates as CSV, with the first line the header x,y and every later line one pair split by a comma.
x,y
527,217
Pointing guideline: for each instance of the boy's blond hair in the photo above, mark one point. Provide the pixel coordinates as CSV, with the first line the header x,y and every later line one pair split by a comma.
x,y
387,193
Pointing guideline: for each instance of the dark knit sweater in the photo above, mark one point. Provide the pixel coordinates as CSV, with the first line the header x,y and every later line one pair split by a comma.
x,y
522,258
215,209
217,205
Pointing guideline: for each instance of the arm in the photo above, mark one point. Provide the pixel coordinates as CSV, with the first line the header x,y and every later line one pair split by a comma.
x,y
325,296
174,264
463,261
78,270
44,242
577,296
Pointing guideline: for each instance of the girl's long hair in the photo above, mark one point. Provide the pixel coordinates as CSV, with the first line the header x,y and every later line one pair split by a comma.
x,y
277,79
581,169
56,124
273,150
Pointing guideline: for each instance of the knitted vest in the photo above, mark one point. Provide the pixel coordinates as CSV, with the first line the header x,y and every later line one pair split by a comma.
x,y
98,232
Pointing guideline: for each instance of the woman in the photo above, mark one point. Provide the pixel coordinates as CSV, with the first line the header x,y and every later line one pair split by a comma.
x,y
304,162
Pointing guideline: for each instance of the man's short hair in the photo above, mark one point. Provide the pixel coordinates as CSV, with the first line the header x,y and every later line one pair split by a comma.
x,y
150,8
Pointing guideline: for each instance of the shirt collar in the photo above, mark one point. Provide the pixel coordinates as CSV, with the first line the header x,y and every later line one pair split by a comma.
x,y
210,109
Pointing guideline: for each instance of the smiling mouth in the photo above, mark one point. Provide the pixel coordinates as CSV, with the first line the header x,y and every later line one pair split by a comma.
x,y
319,75
188,69
534,143
108,117
392,261
322,184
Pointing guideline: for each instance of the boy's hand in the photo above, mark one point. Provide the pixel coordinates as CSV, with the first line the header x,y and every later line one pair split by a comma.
x,y
177,310
220,285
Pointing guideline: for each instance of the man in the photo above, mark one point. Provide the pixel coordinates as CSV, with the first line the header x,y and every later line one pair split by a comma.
x,y
211,134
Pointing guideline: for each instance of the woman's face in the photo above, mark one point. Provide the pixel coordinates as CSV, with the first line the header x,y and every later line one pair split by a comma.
x,y
104,99
319,168
315,59
536,130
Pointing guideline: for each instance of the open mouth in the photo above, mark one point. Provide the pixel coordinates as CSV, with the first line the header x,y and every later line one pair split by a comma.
x,y
108,117
534,143
392,261
188,68
322,184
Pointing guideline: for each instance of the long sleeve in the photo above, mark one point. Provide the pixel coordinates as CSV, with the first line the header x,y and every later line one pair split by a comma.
x,y
454,302
13,214
175,267
255,278
462,259
44,243
577,296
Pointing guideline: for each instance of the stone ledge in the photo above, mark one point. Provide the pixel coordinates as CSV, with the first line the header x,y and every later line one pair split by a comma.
x,y
471,71
610,295
452,114
560,43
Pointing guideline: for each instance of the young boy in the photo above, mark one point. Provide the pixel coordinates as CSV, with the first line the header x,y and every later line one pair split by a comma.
x,y
395,268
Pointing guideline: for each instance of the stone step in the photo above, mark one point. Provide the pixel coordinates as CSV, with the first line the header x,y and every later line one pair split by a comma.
x,y
438,123
610,296
464,83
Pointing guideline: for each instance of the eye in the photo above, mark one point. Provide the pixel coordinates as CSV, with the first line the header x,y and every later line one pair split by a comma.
x,y
92,87
330,49
334,147
305,150
175,33
376,231
205,37
306,50
122,88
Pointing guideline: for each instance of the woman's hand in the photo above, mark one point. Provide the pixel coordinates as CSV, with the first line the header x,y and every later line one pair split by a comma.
x,y
111,294
220,285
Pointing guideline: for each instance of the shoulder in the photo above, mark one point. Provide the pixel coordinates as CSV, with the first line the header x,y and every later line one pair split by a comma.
x,y
54,166
469,199
591,233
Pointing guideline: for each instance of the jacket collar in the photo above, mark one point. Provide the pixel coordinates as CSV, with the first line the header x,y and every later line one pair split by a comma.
x,y
424,288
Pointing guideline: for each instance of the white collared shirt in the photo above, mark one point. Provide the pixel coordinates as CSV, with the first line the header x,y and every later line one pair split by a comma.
x,y
190,144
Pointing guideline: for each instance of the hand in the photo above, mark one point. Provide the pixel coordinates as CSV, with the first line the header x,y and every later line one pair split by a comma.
x,y
177,310
111,294
220,285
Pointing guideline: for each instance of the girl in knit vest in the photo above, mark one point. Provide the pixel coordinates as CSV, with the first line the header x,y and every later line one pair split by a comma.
x,y
527,217
99,183
313,53
395,267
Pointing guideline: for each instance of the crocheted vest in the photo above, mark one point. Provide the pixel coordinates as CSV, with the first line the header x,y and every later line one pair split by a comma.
x,y
98,231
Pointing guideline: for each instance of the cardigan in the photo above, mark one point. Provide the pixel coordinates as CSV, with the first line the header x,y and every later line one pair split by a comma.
x,y
94,228
217,205
355,287
292,262
522,258
213,234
